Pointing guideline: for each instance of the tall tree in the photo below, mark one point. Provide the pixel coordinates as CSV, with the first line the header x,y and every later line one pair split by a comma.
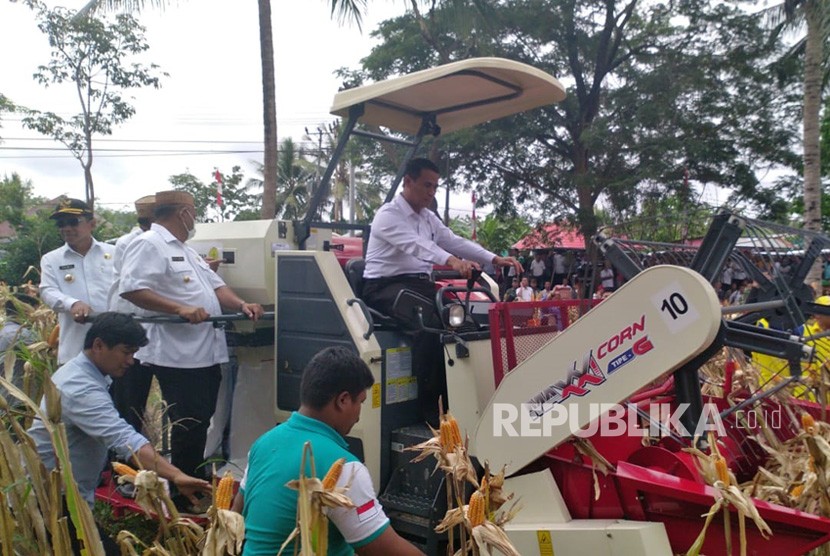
x,y
812,17
235,197
269,111
344,10
95,57
654,90
296,177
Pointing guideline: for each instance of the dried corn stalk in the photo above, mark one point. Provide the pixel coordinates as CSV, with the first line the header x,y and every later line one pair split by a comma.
x,y
314,496
713,469
480,522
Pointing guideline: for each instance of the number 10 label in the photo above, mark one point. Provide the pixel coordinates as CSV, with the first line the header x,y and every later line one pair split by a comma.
x,y
675,307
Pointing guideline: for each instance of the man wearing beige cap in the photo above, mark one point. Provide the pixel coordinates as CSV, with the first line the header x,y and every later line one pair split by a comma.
x,y
162,275
130,391
75,278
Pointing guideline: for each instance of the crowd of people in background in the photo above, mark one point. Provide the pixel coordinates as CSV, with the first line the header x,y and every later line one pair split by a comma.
x,y
553,274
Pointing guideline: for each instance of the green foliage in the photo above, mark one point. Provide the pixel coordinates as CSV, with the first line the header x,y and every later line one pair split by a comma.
x,y
498,234
96,57
236,199
14,194
295,181
5,106
113,224
368,187
35,232
138,524
462,226
654,89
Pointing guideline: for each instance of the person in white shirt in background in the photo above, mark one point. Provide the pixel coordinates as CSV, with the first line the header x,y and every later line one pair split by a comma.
x,y
606,275
130,391
75,278
537,267
524,292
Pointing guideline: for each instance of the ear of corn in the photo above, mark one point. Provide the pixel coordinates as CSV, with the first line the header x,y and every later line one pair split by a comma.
x,y
333,475
224,492
450,433
123,469
53,336
808,422
476,512
722,469
796,491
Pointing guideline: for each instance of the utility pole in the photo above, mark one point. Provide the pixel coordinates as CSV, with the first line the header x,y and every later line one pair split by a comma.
x,y
351,195
319,157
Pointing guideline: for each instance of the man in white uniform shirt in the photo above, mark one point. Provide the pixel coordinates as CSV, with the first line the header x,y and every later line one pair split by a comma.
x,y
75,278
524,292
406,240
130,391
164,276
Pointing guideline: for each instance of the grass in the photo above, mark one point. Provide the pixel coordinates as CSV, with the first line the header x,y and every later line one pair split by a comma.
x,y
142,527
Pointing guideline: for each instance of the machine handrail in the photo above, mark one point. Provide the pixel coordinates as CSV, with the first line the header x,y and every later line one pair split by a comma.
x,y
366,314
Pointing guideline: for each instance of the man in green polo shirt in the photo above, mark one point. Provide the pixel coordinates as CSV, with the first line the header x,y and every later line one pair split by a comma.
x,y
333,388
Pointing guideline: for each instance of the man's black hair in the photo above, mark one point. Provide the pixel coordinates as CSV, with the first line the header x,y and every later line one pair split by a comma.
x,y
114,329
416,165
332,371
12,307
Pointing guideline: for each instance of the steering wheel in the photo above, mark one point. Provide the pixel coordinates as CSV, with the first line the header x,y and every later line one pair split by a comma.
x,y
469,289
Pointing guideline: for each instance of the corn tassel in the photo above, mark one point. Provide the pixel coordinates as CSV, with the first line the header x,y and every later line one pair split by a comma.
x,y
224,492
333,475
123,470
476,512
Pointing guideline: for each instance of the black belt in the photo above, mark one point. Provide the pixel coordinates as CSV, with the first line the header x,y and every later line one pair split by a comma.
x,y
399,277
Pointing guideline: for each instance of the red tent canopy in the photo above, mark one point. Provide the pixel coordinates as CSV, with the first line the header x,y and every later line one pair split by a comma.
x,y
552,236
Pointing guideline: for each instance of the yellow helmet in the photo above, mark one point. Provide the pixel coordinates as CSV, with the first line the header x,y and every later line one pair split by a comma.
x,y
823,300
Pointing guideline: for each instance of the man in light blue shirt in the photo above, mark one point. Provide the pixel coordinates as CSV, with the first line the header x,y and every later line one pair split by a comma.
x,y
93,425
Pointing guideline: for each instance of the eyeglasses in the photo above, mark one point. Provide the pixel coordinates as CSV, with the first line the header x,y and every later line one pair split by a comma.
x,y
70,221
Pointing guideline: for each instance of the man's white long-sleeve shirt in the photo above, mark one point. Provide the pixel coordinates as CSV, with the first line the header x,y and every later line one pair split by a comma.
x,y
403,241
66,277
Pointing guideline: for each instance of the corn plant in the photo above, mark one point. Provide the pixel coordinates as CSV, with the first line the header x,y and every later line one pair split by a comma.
x,y
480,522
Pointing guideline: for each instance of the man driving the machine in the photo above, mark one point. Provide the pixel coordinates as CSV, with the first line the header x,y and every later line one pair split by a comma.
x,y
407,239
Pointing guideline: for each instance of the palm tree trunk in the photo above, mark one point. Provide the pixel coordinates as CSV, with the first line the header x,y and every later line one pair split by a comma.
x,y
812,106
269,111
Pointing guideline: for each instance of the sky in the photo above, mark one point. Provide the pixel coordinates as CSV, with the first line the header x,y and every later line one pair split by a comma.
x,y
211,101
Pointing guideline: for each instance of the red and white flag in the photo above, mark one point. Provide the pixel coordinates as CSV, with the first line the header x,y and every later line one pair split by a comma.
x,y
367,511
474,216
217,175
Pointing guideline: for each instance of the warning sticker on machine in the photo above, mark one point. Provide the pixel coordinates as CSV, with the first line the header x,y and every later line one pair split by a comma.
x,y
545,543
375,395
401,389
401,386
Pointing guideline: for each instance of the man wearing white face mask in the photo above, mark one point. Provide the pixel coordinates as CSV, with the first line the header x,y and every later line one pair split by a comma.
x,y
162,275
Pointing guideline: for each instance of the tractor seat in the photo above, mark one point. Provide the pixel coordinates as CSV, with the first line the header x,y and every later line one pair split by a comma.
x,y
354,274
